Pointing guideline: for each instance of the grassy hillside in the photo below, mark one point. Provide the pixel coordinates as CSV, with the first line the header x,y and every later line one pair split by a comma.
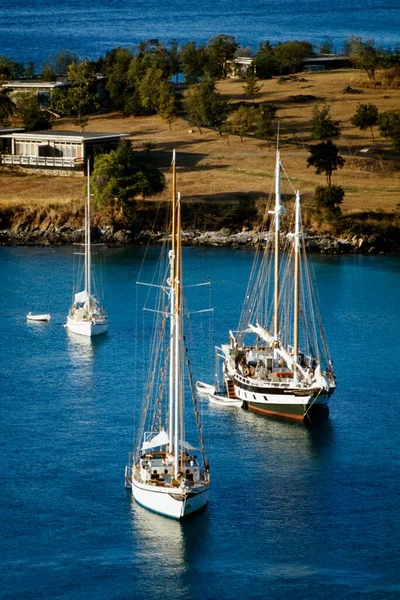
x,y
225,171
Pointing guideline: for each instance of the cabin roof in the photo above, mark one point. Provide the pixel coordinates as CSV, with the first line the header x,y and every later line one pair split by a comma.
x,y
35,83
70,136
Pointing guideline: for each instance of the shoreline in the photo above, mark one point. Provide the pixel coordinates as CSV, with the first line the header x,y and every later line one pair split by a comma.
x,y
316,243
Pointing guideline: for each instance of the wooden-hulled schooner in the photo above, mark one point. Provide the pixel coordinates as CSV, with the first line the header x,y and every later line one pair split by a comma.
x,y
278,361
86,316
165,473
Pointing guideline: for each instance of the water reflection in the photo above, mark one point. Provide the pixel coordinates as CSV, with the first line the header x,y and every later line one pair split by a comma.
x,y
81,352
159,554
166,552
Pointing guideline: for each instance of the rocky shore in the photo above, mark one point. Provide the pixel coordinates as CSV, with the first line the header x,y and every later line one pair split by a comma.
x,y
52,236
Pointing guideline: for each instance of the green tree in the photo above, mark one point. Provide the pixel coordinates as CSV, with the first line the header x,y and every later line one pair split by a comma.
x,y
252,86
243,121
328,199
10,69
116,67
27,108
327,45
30,70
265,63
389,126
205,106
193,61
166,103
221,48
78,100
7,107
118,179
323,127
58,65
264,124
365,116
289,55
364,55
325,158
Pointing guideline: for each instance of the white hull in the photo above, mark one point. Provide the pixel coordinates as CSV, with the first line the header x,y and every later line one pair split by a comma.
x,y
224,401
87,328
205,388
43,318
169,501
286,397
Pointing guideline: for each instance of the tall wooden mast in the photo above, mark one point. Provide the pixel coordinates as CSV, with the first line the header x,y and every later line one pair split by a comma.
x,y
172,258
296,283
277,212
88,265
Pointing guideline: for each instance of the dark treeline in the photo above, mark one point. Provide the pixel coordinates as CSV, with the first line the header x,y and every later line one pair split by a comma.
x,y
138,80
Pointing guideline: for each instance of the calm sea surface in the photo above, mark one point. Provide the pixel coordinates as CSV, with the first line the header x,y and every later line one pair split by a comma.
x,y
33,30
294,512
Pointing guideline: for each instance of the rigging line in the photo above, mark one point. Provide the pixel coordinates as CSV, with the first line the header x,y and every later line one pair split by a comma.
x,y
163,200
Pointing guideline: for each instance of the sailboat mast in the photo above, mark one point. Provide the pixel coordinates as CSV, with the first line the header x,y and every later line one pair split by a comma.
x,y
277,236
178,404
88,251
296,283
172,257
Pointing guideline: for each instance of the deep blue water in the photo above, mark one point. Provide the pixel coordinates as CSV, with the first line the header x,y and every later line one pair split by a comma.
x,y
294,512
33,30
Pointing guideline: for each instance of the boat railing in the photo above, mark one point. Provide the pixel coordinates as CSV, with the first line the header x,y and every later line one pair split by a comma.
x,y
129,471
282,383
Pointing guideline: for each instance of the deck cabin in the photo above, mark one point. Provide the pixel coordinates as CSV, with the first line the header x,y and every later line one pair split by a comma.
x,y
54,150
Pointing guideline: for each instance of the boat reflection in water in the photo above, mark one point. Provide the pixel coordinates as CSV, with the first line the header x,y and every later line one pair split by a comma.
x,y
173,546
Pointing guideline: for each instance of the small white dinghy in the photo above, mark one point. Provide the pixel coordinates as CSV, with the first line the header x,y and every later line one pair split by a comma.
x,y
45,317
225,401
205,388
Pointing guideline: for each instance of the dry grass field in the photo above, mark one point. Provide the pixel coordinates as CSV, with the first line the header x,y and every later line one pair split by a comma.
x,y
223,169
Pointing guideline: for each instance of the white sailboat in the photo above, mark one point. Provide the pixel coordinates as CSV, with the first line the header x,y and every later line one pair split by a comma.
x,y
278,362
86,316
164,474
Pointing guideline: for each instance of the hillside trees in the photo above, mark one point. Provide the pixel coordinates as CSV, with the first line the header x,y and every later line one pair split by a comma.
x,y
193,60
289,55
7,107
366,116
205,107
118,179
10,69
80,98
252,86
27,108
58,65
115,67
326,159
243,121
364,55
389,126
265,63
221,48
322,126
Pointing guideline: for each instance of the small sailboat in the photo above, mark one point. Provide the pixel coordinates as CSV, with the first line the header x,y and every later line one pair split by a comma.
x,y
277,362
166,473
43,318
86,316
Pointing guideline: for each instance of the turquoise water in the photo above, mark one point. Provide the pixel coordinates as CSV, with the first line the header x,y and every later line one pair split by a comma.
x,y
294,512
32,30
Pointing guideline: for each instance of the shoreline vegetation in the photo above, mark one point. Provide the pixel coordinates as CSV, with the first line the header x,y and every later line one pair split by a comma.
x,y
226,171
